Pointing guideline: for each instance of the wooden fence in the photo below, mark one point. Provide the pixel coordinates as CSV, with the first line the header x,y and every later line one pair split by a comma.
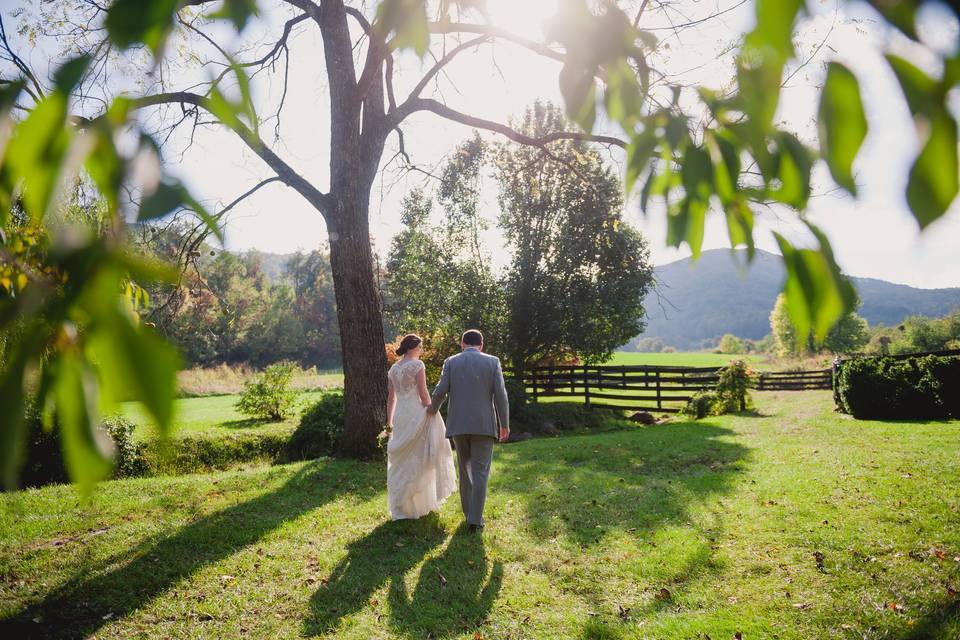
x,y
630,388
651,388
794,380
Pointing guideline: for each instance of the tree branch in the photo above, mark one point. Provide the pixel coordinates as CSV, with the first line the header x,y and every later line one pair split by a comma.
x,y
442,110
321,201
497,32
444,61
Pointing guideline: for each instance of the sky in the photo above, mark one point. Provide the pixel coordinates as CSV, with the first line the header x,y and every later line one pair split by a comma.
x,y
873,236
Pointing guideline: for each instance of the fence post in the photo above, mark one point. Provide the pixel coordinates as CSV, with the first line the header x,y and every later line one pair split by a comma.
x,y
760,382
659,398
623,376
586,386
535,379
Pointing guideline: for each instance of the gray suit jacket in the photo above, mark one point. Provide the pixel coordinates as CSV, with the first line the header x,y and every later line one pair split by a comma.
x,y
478,395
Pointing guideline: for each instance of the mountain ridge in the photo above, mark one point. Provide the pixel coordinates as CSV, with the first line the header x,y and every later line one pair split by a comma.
x,y
709,298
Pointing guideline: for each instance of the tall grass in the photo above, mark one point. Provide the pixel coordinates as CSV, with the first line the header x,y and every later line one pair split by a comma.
x,y
229,379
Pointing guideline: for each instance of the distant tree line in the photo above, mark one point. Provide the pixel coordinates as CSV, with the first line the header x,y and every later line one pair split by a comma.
x,y
235,308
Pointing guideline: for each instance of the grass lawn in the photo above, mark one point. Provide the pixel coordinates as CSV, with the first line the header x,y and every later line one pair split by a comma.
x,y
213,416
796,523
684,359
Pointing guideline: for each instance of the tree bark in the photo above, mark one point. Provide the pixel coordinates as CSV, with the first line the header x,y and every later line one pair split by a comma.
x,y
361,328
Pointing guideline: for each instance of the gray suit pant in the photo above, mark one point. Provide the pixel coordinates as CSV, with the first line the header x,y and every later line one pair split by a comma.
x,y
474,455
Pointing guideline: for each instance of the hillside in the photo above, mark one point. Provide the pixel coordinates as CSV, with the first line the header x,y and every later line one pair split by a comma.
x,y
698,302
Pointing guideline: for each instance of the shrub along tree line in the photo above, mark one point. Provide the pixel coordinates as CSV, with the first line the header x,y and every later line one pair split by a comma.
x,y
731,395
926,387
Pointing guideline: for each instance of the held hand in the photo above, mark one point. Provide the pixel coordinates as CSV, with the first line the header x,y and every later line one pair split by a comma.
x,y
504,434
430,409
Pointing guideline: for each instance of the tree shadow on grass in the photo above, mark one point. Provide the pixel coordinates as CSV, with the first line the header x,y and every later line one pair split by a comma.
x,y
641,479
636,482
81,606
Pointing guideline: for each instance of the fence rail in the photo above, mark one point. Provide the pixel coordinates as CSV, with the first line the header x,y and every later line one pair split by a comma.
x,y
664,389
794,380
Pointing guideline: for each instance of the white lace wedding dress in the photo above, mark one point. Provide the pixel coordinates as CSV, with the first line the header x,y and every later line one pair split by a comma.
x,y
420,472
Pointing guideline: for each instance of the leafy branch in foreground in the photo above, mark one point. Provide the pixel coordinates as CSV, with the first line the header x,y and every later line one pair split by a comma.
x,y
73,342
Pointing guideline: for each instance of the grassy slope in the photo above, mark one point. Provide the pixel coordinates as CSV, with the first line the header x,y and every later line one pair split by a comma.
x,y
725,514
213,416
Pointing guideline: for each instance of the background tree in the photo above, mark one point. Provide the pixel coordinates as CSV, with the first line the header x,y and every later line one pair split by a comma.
x,y
849,335
577,274
730,343
434,287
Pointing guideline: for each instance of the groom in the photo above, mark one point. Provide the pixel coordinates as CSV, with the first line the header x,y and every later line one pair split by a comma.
x,y
478,400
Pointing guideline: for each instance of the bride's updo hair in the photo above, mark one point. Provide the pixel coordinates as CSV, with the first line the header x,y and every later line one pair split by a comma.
x,y
410,341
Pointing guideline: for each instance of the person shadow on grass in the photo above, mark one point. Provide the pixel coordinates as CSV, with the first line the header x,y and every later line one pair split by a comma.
x,y
385,554
450,594
454,593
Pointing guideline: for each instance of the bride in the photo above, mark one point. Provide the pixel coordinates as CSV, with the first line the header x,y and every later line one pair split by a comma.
x,y
420,472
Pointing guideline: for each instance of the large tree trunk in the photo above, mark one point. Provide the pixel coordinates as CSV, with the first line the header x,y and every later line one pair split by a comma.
x,y
361,327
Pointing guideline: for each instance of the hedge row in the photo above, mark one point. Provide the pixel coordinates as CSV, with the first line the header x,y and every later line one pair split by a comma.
x,y
926,387
317,435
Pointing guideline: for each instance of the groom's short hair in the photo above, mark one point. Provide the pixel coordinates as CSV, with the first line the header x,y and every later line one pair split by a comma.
x,y
472,337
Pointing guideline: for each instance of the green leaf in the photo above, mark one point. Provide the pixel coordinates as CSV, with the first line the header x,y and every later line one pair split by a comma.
x,y
933,182
795,166
740,225
164,199
133,360
171,195
639,152
843,125
236,11
406,18
131,22
818,295
647,188
622,95
920,90
765,51
85,458
726,164
579,91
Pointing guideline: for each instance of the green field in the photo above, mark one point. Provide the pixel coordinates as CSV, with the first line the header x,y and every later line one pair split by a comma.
x,y
684,359
212,416
793,523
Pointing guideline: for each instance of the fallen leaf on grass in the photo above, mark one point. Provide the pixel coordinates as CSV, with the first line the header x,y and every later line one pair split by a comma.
x,y
938,553
663,594
951,592
802,606
894,606
624,613
477,636
443,581
818,556
737,636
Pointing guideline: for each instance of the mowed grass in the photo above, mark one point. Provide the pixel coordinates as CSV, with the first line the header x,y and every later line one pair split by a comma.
x,y
685,359
213,416
795,523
